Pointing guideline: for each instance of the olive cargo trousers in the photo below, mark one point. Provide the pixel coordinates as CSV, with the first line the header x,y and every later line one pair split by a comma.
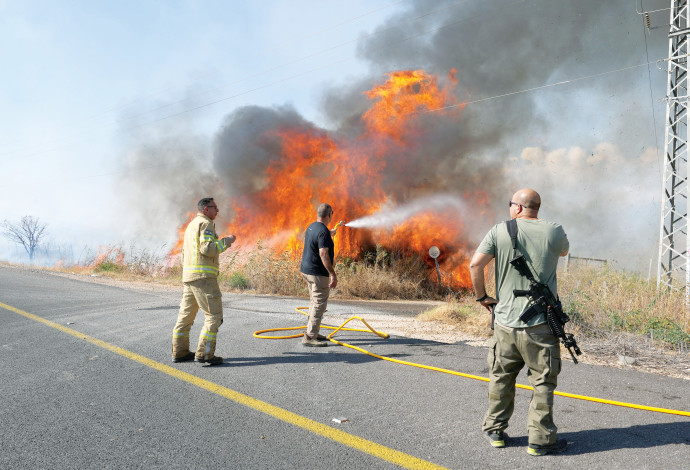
x,y
202,294
510,349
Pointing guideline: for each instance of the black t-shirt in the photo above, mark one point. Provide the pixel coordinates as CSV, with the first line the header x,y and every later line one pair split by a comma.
x,y
317,236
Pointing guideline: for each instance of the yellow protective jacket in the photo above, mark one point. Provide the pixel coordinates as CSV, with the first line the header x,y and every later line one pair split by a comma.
x,y
201,250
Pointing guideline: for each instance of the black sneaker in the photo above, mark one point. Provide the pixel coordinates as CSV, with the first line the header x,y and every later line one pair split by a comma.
x,y
538,450
214,361
496,438
186,358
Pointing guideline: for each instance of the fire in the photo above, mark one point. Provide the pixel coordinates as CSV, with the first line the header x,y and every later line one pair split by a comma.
x,y
348,172
404,94
173,255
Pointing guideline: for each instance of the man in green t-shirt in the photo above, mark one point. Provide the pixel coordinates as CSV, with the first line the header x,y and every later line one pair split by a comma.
x,y
515,343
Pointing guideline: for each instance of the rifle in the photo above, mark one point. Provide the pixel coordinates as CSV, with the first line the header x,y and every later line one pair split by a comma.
x,y
543,301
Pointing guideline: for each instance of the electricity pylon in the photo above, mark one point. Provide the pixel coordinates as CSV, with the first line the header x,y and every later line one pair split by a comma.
x,y
674,259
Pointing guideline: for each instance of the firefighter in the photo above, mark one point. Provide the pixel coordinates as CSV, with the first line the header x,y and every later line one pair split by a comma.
x,y
200,253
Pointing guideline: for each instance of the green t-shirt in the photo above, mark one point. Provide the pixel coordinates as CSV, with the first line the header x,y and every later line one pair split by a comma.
x,y
541,242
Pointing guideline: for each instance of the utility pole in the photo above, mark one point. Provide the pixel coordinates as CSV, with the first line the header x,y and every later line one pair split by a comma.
x,y
674,245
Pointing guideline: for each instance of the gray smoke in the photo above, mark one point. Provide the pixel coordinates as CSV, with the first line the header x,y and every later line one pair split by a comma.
x,y
246,143
588,147
166,173
602,127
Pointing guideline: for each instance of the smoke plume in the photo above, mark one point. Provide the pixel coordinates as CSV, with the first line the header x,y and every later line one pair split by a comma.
x,y
588,147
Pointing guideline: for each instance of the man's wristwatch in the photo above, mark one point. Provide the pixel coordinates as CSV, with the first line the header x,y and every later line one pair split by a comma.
x,y
482,299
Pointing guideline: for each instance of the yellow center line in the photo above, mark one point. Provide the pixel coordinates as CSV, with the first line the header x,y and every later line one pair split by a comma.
x,y
372,448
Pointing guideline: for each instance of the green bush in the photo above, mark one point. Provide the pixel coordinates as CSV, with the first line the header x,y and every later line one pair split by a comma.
x,y
238,280
666,330
109,267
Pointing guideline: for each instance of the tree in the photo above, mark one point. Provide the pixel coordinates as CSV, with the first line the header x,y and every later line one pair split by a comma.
x,y
29,233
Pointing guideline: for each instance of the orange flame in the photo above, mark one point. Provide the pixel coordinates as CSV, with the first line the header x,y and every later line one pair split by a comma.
x,y
315,166
174,253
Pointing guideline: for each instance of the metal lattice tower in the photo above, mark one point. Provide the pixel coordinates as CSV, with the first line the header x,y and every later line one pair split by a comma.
x,y
674,245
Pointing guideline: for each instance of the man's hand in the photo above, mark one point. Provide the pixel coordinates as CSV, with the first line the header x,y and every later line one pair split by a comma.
x,y
488,302
334,281
227,241
335,229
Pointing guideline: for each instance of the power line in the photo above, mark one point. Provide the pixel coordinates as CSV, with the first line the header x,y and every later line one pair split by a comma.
x,y
527,90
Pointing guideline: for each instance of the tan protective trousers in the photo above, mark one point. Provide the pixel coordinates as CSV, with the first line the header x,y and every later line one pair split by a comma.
x,y
203,294
510,350
318,299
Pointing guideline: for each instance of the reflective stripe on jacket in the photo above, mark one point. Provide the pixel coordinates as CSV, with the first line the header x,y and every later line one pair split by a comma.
x,y
200,249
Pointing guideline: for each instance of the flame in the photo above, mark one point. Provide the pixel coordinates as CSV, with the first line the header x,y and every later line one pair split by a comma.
x,y
402,95
173,255
316,166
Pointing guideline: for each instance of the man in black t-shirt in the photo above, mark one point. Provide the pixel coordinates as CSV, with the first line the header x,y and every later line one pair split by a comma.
x,y
317,269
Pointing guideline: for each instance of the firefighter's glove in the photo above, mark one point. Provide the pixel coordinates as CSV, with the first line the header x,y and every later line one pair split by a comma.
x,y
227,241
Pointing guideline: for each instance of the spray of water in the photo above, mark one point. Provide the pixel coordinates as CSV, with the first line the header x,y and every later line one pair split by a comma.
x,y
390,216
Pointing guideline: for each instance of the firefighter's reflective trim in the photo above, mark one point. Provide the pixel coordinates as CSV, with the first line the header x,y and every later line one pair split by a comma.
x,y
219,244
209,336
210,339
200,269
180,334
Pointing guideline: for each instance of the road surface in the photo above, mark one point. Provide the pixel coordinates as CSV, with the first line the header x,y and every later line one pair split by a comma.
x,y
87,382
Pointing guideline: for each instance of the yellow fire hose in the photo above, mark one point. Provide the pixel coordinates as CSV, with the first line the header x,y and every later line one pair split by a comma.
x,y
259,333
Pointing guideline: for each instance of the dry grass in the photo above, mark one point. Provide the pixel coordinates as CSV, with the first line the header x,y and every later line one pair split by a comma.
x,y
616,317
383,275
602,301
130,263
380,275
603,304
263,271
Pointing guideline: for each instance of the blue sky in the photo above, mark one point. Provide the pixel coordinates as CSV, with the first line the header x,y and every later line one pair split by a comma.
x,y
85,83
80,77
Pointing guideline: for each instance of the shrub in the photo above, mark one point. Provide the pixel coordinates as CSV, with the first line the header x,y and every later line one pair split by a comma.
x,y
238,280
108,267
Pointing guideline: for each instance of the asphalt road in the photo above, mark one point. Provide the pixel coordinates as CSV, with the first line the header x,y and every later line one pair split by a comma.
x,y
87,382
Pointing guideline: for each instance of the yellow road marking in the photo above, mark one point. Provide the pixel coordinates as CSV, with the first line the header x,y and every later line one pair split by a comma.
x,y
350,440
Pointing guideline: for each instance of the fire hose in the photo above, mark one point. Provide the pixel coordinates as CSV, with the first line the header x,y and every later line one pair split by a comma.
x,y
259,334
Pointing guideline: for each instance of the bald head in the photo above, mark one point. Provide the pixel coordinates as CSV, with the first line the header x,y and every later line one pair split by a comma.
x,y
528,202
528,198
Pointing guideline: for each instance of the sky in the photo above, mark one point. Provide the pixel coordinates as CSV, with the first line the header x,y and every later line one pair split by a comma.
x,y
110,108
